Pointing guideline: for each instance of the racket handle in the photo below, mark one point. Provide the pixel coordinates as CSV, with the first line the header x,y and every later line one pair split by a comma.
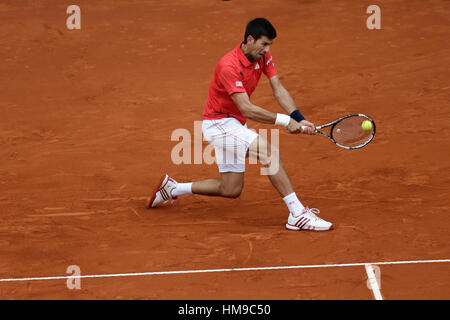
x,y
304,128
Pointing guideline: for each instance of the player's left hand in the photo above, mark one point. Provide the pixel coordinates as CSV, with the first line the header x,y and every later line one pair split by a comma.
x,y
308,127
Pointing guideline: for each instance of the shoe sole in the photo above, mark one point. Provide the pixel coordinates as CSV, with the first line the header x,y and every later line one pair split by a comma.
x,y
149,203
295,228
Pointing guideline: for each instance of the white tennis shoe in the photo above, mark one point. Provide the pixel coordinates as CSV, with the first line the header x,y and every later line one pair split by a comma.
x,y
163,192
308,220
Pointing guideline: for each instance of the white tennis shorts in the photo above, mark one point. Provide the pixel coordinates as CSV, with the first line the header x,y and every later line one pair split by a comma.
x,y
231,140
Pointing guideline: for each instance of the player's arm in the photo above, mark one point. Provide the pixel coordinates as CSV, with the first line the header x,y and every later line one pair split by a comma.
x,y
287,103
258,114
282,95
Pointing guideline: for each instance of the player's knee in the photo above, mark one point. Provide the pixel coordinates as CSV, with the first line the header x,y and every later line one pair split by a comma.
x,y
232,192
270,157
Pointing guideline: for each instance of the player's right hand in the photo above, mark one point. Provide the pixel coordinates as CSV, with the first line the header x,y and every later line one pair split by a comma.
x,y
308,127
294,127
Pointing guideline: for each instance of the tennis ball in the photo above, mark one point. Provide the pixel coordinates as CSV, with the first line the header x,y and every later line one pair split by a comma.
x,y
366,125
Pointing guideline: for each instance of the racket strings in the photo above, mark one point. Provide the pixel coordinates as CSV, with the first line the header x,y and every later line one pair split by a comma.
x,y
349,132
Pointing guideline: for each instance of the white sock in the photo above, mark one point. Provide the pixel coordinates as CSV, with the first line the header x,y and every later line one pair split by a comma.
x,y
182,188
294,205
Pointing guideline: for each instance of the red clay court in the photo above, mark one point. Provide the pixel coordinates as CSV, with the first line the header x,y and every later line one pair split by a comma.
x,y
85,127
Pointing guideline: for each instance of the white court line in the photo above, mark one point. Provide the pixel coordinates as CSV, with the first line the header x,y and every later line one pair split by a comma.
x,y
373,282
222,270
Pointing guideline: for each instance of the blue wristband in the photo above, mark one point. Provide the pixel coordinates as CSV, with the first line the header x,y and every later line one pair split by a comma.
x,y
297,116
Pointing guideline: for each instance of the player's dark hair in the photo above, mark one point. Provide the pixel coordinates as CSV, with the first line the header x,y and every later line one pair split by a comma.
x,y
260,27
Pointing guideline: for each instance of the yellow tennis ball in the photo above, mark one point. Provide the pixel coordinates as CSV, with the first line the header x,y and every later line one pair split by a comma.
x,y
366,125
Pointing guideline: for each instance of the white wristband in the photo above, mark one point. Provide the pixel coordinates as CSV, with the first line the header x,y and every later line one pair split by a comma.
x,y
282,119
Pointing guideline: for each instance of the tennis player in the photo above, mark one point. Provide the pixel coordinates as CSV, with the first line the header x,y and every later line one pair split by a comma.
x,y
224,125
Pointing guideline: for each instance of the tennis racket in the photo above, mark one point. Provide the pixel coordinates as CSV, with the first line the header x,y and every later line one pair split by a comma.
x,y
348,132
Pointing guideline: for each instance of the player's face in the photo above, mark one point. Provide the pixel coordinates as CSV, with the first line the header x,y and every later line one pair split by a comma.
x,y
259,47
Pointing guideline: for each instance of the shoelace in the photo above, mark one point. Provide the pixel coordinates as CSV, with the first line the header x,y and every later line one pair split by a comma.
x,y
312,212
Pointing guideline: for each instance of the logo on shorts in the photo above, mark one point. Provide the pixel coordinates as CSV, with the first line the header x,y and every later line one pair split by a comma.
x,y
239,84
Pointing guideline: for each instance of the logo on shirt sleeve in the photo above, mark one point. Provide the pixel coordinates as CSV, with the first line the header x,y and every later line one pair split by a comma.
x,y
239,84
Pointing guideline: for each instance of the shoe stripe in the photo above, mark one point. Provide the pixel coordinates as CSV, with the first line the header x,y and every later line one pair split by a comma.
x,y
165,194
168,195
162,195
299,221
303,224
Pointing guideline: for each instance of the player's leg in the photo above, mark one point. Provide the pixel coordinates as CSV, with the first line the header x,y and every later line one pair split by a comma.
x,y
231,140
230,185
300,217
269,156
